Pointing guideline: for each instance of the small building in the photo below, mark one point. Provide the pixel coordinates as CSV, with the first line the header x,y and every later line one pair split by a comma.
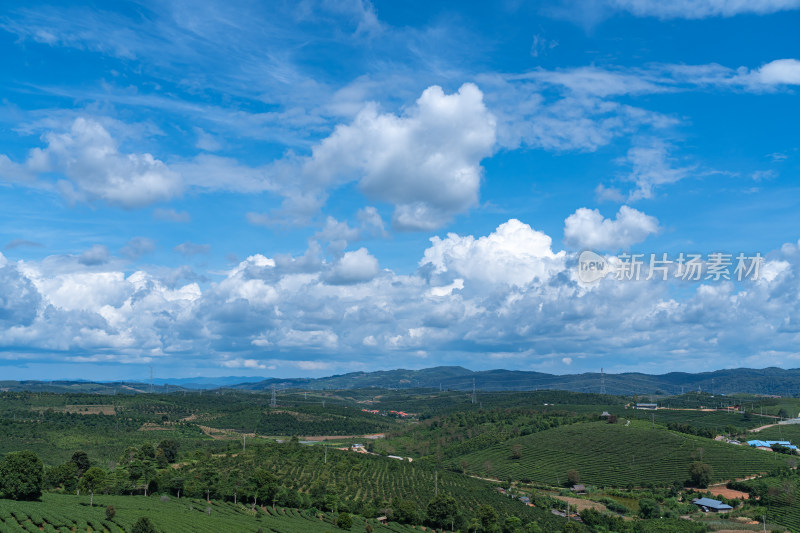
x,y
525,499
579,489
649,406
707,504
768,444
605,414
382,520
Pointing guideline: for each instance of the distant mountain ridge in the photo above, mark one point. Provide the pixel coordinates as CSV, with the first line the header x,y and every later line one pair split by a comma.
x,y
772,381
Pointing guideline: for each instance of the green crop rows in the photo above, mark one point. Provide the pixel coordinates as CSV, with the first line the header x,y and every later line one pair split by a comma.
x,y
369,478
63,513
616,455
714,420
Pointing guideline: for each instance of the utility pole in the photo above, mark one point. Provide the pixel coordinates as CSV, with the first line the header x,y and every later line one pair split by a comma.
x,y
436,483
244,443
473,391
273,402
326,452
151,380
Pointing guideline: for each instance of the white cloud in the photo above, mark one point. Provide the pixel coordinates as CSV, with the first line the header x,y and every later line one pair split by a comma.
x,y
541,45
587,229
780,72
189,248
339,234
354,267
95,169
206,141
137,247
514,254
172,215
96,255
699,9
426,162
652,167
243,363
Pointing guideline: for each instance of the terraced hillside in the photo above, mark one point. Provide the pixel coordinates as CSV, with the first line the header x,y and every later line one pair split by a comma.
x,y
67,513
362,481
715,421
614,455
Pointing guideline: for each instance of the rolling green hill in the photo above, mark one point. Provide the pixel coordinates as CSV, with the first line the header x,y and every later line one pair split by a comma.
x,y
615,455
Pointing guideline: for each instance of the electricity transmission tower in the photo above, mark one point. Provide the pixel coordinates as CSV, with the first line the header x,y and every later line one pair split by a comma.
x,y
473,390
602,382
273,402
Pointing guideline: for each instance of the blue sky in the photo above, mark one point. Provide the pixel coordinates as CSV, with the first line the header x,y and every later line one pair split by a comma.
x,y
309,188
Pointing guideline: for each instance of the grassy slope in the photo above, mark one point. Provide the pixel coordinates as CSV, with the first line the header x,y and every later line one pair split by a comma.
x,y
616,455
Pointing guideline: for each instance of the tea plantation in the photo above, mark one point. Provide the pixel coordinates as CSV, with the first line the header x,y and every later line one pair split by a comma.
x,y
615,455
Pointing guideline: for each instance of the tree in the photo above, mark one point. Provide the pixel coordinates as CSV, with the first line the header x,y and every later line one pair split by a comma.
x,y
264,485
170,449
21,476
344,521
81,460
512,524
92,479
700,474
143,525
442,510
64,476
406,512
573,477
649,508
142,470
488,517
516,451
111,512
533,527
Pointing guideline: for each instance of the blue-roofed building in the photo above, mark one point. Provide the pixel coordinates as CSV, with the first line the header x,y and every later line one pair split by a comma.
x,y
707,504
769,443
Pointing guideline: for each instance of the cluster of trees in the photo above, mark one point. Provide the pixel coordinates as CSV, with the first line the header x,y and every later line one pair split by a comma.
x,y
691,430
137,470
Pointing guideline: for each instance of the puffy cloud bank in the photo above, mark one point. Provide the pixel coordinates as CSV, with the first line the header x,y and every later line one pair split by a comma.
x,y
505,295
